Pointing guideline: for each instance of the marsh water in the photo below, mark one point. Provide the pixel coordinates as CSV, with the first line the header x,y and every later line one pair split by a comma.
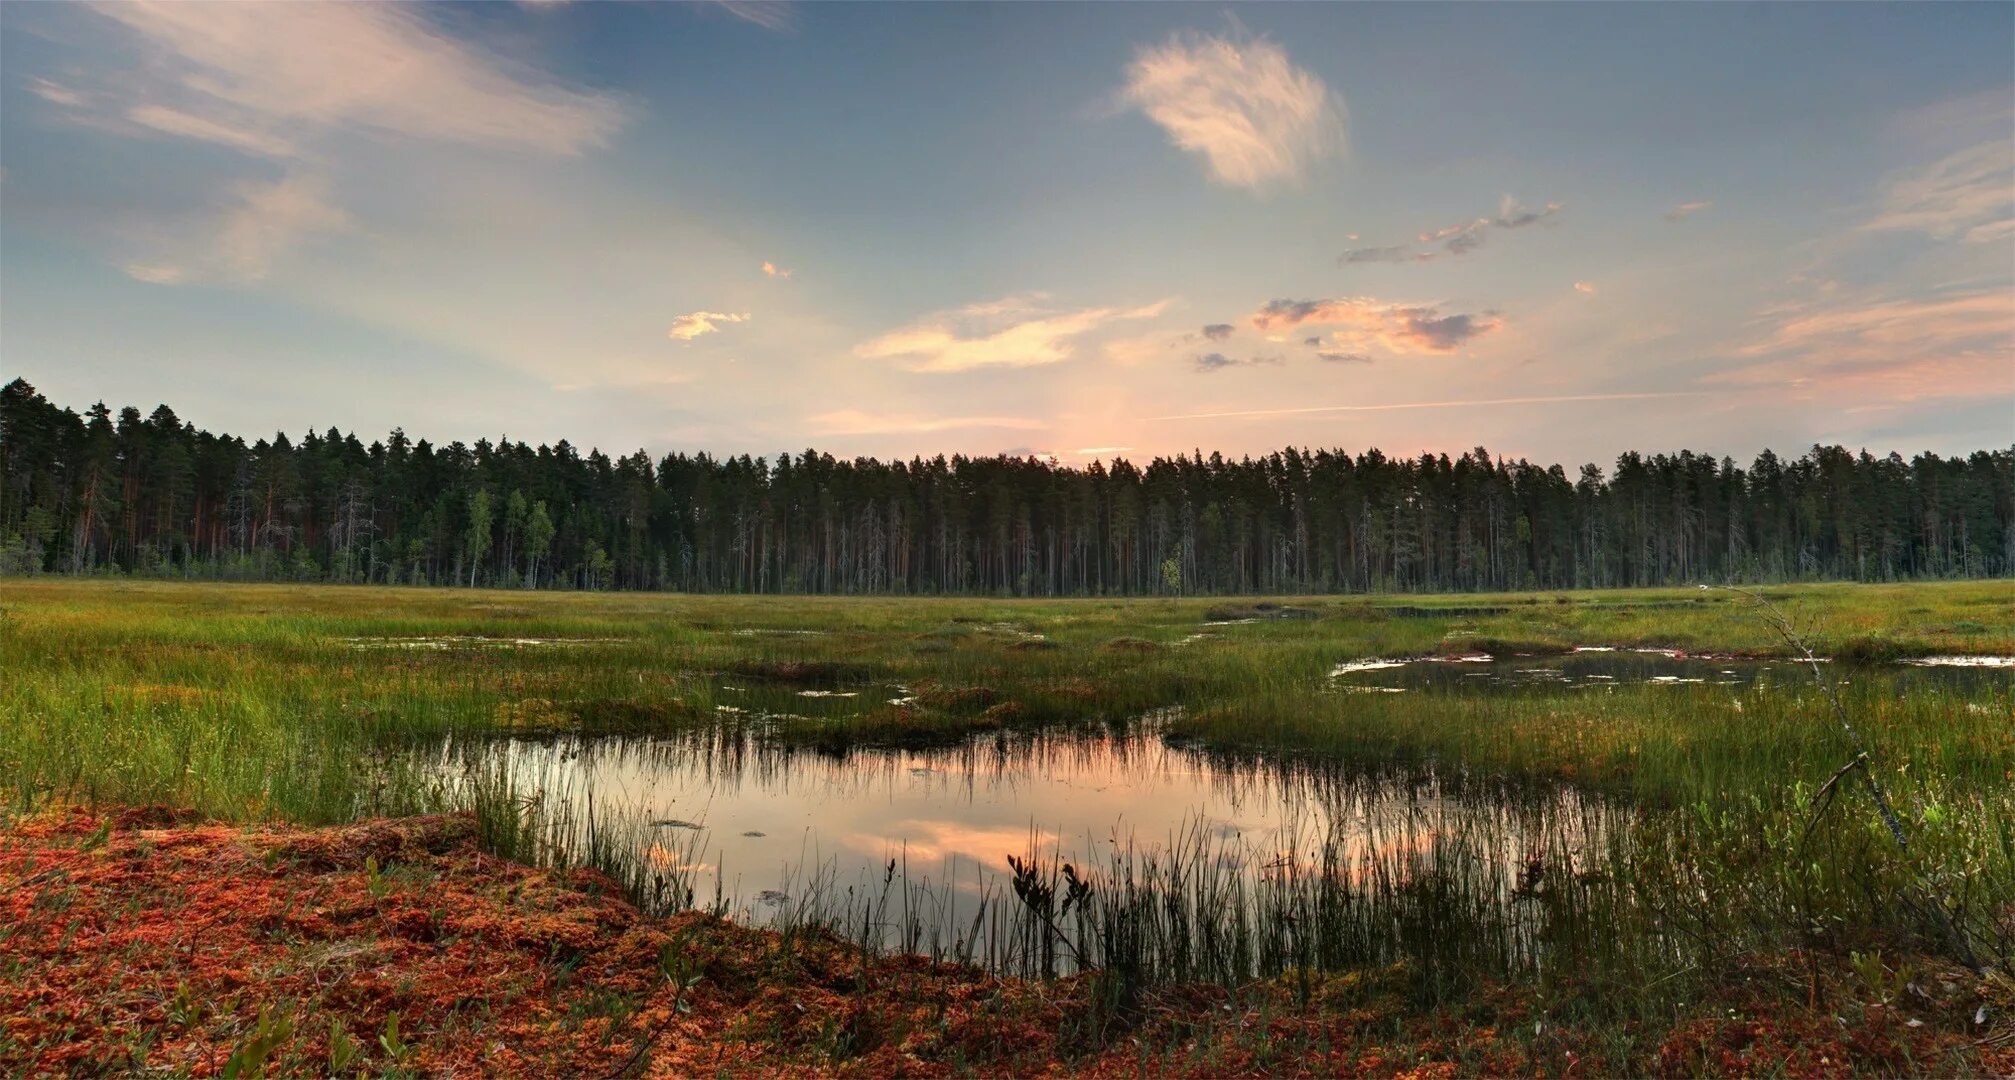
x,y
722,817
1597,669
766,824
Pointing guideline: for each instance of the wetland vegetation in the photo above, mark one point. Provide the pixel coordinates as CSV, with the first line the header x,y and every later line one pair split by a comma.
x,y
1623,805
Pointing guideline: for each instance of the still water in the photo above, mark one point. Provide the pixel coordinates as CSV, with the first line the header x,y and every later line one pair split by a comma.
x,y
769,830
721,817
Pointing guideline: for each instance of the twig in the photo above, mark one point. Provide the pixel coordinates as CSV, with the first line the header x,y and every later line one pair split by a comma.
x,y
1789,633
1778,620
1824,796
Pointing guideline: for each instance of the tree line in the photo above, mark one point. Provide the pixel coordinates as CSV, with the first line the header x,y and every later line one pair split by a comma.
x,y
123,493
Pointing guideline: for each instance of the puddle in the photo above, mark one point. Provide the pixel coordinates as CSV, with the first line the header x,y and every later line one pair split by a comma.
x,y
1349,667
454,641
1596,666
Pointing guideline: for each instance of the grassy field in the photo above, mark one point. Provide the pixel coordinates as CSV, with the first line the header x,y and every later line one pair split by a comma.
x,y
1721,856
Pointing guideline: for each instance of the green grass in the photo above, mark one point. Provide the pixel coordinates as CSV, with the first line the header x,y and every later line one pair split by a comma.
x,y
258,702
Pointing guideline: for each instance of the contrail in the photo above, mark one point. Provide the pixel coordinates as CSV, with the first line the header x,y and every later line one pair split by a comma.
x,y
1436,404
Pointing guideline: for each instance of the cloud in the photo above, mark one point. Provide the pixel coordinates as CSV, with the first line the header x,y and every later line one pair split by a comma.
x,y
285,84
1312,341
267,71
856,422
247,237
1014,332
1587,287
1390,253
1255,118
1870,345
1453,240
1364,324
1343,357
1556,399
1218,361
1968,194
156,273
768,14
1687,209
1218,331
190,126
56,93
1098,451
773,270
695,323
270,218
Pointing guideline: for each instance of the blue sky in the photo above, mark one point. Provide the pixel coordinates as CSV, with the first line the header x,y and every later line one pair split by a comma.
x,y
1554,231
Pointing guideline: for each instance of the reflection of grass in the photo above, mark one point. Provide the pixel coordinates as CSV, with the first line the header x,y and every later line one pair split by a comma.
x,y
253,703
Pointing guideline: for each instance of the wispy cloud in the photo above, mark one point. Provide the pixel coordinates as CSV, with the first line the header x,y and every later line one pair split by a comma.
x,y
1218,331
1014,332
1363,324
696,323
775,15
771,269
56,93
169,121
1870,345
262,221
1343,357
1585,287
1253,116
286,84
1217,361
1968,194
376,68
1454,240
1687,209
857,422
1559,399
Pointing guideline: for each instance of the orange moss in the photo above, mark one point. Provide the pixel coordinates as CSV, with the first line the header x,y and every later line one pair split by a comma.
x,y
148,940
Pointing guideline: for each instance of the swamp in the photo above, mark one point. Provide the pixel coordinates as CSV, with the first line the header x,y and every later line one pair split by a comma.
x,y
1618,807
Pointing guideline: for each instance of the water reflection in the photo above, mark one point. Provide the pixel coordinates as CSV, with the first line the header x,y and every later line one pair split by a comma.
x,y
772,831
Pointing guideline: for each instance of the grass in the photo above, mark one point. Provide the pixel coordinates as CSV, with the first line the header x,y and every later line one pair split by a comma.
x,y
1694,844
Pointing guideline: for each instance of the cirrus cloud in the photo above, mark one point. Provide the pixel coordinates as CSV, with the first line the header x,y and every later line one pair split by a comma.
x,y
1968,194
1877,345
296,85
1253,116
257,70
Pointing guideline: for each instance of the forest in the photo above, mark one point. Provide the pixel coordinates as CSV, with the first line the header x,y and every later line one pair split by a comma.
x,y
150,495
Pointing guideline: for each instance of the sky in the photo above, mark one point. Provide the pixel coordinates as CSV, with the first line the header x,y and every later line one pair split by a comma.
x,y
1081,231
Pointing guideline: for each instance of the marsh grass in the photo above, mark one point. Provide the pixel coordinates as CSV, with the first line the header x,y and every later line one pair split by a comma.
x,y
280,703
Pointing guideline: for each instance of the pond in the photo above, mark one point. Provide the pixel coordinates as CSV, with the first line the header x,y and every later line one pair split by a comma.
x,y
969,852
772,836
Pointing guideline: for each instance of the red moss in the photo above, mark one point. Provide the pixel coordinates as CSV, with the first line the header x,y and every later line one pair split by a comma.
x,y
147,940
